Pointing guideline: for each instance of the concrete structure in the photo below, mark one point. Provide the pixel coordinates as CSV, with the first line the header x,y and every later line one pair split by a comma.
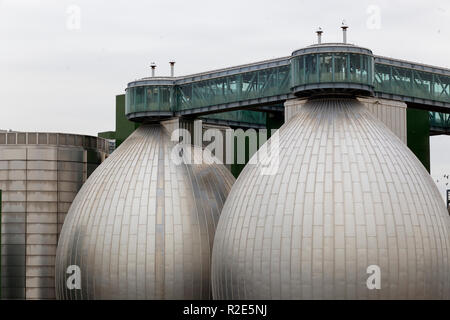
x,y
40,174
142,226
348,195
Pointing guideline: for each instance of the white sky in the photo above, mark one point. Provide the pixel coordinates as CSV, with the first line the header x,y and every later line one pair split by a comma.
x,y
57,78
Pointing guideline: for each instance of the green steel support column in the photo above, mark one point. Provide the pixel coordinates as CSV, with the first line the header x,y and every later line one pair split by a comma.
x,y
273,121
236,168
124,127
418,134
107,135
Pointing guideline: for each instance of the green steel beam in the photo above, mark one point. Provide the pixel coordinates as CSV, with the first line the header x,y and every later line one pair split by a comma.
x,y
107,135
124,127
418,134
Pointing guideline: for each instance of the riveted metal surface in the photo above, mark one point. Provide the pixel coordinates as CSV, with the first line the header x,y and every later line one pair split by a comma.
x,y
142,227
348,194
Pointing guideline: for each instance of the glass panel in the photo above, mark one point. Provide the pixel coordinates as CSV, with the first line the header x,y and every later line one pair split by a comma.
x,y
152,98
301,70
409,82
401,81
355,67
371,70
311,68
132,96
382,80
128,100
232,87
249,84
185,96
326,67
441,87
340,67
285,79
165,99
439,121
364,69
422,84
140,99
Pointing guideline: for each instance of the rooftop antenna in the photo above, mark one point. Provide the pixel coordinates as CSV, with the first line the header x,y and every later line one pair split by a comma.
x,y
172,68
344,27
319,35
153,66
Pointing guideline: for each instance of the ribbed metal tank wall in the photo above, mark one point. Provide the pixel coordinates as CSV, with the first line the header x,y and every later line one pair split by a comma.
x,y
142,226
40,174
348,197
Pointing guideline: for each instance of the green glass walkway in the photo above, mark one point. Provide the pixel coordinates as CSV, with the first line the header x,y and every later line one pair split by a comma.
x,y
267,84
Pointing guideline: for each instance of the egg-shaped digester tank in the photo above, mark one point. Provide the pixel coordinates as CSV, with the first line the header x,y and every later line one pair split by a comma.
x,y
350,213
142,226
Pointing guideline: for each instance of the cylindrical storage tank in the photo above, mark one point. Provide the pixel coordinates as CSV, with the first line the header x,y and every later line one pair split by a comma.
x,y
142,226
350,213
40,175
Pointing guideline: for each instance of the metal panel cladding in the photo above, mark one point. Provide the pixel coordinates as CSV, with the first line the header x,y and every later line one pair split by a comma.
x,y
40,175
348,197
142,227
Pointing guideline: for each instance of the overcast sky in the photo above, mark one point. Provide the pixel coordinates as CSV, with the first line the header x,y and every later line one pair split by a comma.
x,y
63,62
